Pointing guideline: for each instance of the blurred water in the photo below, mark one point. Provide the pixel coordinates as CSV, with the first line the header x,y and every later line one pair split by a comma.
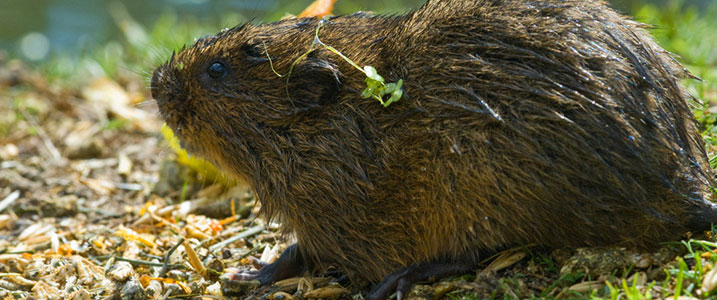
x,y
38,27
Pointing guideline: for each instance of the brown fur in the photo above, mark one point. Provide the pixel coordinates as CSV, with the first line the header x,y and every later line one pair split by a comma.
x,y
559,123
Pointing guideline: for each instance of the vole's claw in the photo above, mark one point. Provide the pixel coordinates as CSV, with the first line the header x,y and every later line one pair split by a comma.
x,y
399,295
404,287
257,263
400,281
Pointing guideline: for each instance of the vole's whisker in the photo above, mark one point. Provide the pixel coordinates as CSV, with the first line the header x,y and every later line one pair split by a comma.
x,y
146,103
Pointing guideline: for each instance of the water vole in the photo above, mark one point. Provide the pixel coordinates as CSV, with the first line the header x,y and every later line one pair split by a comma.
x,y
559,123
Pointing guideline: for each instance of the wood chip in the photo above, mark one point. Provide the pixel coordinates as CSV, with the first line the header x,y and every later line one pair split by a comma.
x,y
193,259
5,203
124,165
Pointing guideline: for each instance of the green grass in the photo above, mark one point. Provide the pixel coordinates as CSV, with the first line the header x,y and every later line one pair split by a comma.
x,y
135,55
692,35
630,291
683,278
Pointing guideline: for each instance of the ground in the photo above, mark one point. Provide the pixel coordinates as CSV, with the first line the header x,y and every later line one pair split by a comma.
x,y
95,203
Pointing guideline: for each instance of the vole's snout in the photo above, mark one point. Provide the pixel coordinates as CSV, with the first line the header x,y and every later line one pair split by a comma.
x,y
164,86
165,90
155,86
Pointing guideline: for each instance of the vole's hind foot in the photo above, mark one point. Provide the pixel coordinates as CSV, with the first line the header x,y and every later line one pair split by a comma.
x,y
290,264
402,280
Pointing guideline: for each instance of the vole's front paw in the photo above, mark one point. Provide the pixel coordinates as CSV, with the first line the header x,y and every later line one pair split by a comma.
x,y
290,264
241,275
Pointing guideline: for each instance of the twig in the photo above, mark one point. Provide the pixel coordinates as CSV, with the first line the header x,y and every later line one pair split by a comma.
x,y
157,257
246,233
43,135
4,251
252,250
147,263
158,219
165,265
5,203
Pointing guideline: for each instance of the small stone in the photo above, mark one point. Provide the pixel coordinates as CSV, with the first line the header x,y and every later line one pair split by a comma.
x,y
120,271
215,290
60,207
214,268
90,149
173,289
154,289
177,275
124,165
9,151
132,290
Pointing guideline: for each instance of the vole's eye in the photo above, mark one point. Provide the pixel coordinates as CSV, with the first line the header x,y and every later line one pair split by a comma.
x,y
217,70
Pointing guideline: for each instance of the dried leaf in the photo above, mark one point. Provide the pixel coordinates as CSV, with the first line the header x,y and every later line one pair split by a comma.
x,y
329,292
293,283
270,254
709,281
45,291
586,286
505,259
131,235
36,230
102,187
318,8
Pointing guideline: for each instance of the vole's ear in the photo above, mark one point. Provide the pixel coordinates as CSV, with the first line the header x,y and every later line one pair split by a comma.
x,y
314,82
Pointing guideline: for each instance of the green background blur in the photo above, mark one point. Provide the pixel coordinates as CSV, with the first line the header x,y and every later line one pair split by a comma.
x,y
37,29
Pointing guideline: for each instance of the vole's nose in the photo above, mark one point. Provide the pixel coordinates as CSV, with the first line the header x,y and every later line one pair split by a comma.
x,y
164,85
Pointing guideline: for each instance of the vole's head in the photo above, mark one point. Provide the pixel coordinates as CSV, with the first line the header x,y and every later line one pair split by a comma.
x,y
223,87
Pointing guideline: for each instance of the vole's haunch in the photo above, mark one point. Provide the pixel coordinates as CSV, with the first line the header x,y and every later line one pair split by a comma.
x,y
559,123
